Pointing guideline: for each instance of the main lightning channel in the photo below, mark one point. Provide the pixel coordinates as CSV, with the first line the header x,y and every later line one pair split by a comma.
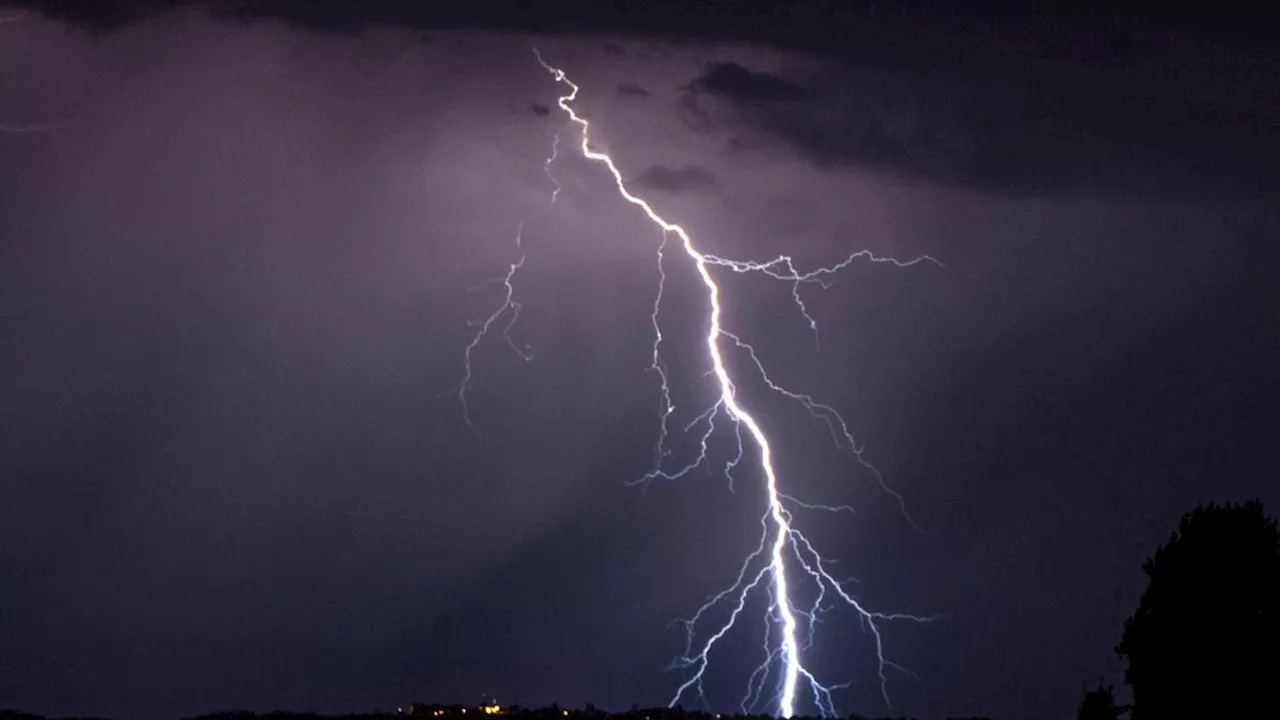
x,y
779,538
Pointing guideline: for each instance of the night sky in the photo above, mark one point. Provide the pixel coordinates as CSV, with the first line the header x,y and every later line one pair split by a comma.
x,y
239,257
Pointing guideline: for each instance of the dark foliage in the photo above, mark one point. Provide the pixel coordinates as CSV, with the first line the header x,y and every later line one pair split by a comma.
x,y
1205,640
1100,704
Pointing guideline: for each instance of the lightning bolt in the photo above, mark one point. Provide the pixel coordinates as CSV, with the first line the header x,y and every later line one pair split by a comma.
x,y
784,555
546,167
510,307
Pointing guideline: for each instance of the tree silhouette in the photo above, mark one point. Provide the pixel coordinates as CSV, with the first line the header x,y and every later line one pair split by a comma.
x,y
1100,704
1205,640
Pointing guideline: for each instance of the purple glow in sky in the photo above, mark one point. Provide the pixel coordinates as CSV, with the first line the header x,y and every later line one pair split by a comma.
x,y
238,263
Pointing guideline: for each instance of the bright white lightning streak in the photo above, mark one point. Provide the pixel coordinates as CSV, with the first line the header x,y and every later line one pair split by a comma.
x,y
510,307
784,536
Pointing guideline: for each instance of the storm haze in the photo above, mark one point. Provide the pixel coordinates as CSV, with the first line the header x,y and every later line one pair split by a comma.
x,y
238,263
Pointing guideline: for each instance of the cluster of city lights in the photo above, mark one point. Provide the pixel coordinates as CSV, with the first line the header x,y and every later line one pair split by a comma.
x,y
490,709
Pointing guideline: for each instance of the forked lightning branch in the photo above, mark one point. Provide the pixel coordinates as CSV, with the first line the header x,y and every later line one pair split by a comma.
x,y
784,561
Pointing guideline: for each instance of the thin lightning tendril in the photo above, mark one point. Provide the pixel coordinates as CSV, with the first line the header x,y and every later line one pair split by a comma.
x,y
42,127
779,539
34,128
546,167
509,307
657,365
783,268
393,67
512,305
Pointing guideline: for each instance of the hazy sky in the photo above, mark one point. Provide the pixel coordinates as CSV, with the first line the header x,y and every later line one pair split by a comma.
x,y
238,263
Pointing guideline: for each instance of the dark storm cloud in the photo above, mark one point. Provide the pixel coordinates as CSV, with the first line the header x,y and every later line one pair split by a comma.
x,y
1018,138
689,178
850,29
631,90
1143,111
736,83
539,109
